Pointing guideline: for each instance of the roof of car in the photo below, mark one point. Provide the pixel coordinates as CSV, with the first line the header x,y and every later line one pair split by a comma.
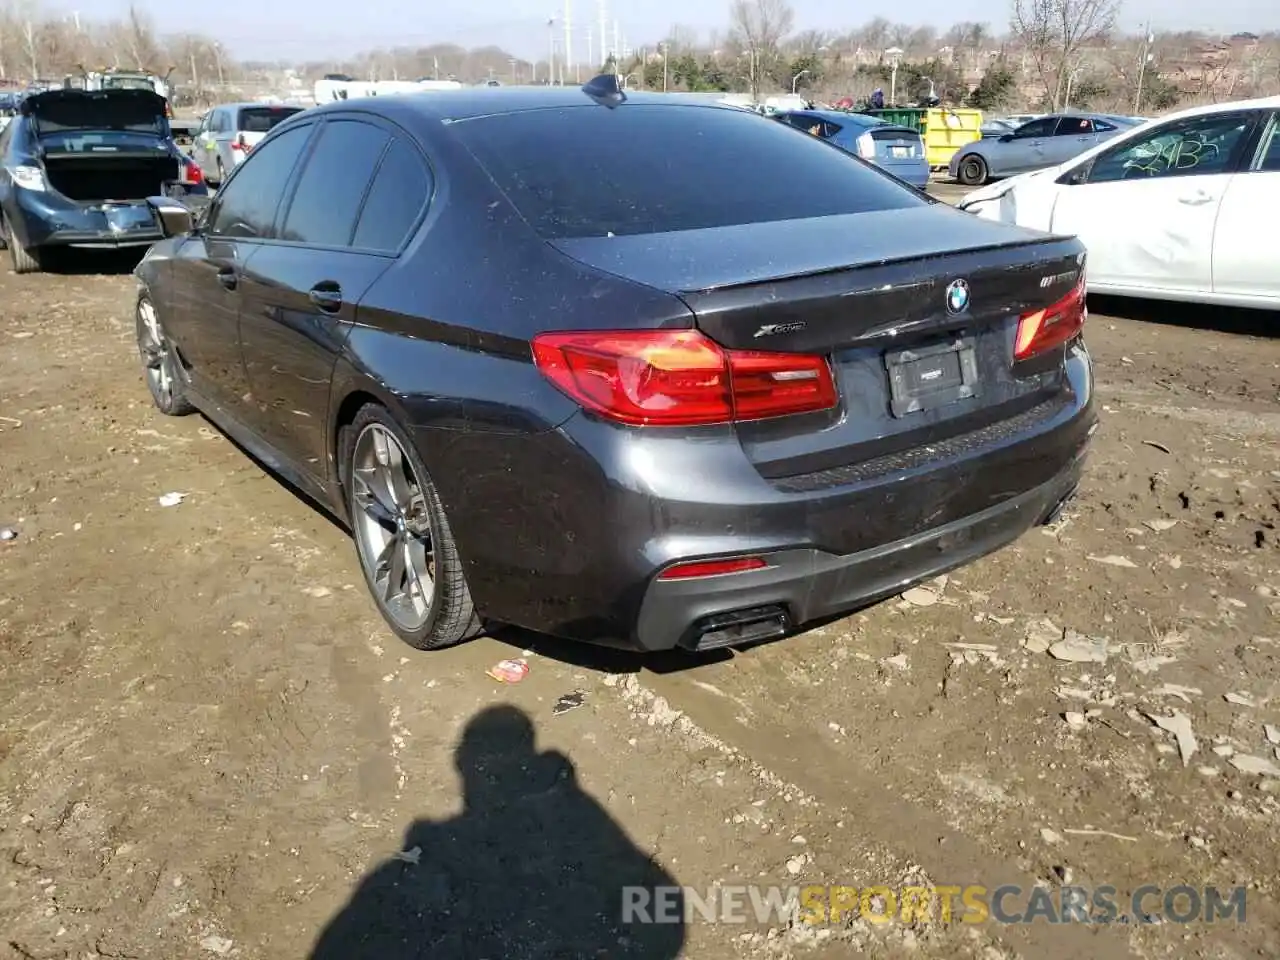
x,y
255,103
839,116
471,102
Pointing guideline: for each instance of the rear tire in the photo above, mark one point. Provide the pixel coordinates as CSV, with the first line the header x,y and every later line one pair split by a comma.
x,y
972,171
403,539
24,260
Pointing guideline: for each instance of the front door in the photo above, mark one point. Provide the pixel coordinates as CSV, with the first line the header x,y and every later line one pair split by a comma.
x,y
210,267
1244,245
302,290
1147,207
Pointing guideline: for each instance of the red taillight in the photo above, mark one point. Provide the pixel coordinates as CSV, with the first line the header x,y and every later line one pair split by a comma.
x,y
680,377
1053,326
191,173
711,568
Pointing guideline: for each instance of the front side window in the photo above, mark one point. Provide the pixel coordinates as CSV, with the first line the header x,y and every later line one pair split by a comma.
x,y
1196,146
1037,128
1269,150
246,206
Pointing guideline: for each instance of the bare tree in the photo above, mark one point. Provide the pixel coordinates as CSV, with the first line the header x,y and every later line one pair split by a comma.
x,y
1056,33
756,28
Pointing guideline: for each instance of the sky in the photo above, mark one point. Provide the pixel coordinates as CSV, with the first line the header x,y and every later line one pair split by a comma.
x,y
321,29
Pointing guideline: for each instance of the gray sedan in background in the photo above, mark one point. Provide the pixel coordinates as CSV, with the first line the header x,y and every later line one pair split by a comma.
x,y
1042,142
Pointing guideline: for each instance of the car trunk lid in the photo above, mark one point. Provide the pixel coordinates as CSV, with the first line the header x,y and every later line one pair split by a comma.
x,y
871,292
896,145
57,111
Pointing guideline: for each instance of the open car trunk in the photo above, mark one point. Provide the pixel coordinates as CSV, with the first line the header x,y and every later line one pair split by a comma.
x,y
114,177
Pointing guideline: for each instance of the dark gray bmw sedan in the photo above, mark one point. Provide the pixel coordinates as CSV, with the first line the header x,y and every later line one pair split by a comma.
x,y
619,367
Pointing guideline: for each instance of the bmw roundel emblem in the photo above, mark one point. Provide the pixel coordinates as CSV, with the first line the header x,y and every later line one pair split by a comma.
x,y
957,296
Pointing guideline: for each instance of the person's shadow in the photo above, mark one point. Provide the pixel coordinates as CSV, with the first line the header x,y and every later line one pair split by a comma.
x,y
533,867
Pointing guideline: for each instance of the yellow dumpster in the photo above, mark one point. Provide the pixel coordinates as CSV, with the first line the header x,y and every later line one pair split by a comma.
x,y
944,131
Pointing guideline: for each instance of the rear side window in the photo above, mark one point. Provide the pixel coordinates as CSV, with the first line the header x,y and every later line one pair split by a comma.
x,y
262,119
333,184
400,190
1074,126
643,168
247,204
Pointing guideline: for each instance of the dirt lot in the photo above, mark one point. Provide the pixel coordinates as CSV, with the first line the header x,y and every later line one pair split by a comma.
x,y
209,746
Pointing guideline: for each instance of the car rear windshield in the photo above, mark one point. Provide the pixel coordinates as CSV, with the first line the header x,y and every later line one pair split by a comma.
x,y
104,142
591,171
262,119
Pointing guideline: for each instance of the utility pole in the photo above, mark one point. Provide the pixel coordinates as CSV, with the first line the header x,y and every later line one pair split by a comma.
x,y
666,45
591,60
568,38
617,48
1142,66
604,32
551,52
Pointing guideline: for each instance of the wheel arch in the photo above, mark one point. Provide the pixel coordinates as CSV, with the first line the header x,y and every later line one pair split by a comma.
x,y
350,393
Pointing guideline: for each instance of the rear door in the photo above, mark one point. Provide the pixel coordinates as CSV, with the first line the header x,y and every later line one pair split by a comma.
x,y
1244,244
1071,137
208,269
1147,207
362,189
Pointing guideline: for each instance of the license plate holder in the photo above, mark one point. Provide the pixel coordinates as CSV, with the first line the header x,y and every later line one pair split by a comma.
x,y
933,375
128,217
900,153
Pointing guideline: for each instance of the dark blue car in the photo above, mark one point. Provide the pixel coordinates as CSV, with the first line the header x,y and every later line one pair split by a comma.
x,y
895,149
77,167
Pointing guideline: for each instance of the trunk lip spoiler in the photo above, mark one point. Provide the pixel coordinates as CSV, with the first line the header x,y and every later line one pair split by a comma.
x,y
872,264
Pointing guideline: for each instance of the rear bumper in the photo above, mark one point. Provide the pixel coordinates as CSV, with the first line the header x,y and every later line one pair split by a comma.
x,y
916,174
566,531
804,585
44,220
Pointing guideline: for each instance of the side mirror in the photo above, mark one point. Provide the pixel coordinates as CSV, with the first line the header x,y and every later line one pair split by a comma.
x,y
1006,138
1077,175
174,218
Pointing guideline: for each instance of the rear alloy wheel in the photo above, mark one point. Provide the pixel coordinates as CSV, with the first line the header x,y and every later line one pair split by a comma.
x,y
160,365
403,539
973,171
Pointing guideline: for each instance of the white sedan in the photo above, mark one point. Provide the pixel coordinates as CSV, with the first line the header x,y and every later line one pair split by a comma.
x,y
1185,207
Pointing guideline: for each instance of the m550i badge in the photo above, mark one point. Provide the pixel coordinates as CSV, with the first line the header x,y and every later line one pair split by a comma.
x,y
1058,278
772,329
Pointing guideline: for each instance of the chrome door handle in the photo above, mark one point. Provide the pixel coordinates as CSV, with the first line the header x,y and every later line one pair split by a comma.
x,y
1195,199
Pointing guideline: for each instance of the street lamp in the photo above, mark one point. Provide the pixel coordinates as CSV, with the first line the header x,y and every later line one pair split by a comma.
x,y
796,79
895,57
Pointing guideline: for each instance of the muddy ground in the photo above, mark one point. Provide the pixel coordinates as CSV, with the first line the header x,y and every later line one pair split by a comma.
x,y
210,746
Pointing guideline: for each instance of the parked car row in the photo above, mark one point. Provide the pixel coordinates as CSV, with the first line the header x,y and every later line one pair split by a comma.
x,y
1180,208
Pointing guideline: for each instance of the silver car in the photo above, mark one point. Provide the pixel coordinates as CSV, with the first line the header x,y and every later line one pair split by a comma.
x,y
1042,142
227,134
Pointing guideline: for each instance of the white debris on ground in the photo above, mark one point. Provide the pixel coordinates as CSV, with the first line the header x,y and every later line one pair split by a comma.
x,y
1179,724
